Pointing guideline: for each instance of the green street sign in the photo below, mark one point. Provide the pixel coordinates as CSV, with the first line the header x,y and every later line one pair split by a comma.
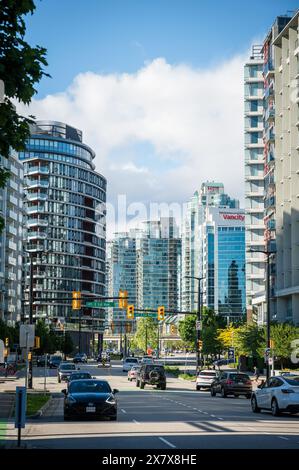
x,y
144,314
100,304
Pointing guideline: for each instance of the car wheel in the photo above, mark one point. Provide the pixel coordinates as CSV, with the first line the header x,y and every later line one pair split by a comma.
x,y
66,418
236,395
213,392
137,383
254,406
248,396
275,408
59,380
163,387
223,393
197,388
142,384
113,418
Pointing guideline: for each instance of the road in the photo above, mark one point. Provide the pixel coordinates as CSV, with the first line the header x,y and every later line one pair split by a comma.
x,y
179,417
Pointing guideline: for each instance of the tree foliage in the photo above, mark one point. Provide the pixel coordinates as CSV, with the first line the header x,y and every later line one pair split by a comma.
x,y
282,335
138,340
21,67
187,330
249,340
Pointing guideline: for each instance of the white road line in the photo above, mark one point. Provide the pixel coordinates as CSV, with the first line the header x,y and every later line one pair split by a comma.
x,y
136,422
195,409
167,442
213,416
284,438
220,418
124,411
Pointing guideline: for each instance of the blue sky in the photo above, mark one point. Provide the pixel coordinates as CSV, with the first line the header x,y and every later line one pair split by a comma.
x,y
107,36
156,86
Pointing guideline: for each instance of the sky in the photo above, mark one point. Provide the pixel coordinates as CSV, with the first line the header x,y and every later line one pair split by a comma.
x,y
156,86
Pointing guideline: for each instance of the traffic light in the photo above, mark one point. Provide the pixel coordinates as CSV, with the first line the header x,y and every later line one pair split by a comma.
x,y
76,302
36,342
161,313
199,344
130,312
30,356
123,300
172,329
271,344
6,342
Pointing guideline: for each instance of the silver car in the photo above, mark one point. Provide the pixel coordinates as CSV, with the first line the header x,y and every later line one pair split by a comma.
x,y
205,378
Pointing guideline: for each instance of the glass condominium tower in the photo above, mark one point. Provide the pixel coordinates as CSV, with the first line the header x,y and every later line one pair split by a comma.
x,y
66,232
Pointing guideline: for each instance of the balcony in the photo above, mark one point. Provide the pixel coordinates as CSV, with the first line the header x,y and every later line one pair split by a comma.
x,y
43,170
269,114
33,235
37,183
268,68
269,202
35,209
36,196
12,261
270,135
33,222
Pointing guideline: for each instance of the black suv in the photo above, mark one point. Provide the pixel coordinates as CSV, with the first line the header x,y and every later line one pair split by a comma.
x,y
151,374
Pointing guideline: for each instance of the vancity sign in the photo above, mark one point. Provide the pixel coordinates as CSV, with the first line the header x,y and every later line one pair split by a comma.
x,y
240,217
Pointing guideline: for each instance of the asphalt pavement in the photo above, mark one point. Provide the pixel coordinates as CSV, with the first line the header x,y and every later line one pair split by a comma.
x,y
177,418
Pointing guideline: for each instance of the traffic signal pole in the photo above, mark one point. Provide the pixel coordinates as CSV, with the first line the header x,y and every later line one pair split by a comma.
x,y
29,354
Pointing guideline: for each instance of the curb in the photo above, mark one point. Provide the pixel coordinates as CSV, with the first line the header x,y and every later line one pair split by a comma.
x,y
40,412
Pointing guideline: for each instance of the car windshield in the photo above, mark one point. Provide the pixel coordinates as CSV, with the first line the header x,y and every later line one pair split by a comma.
x,y
206,374
154,367
55,358
67,367
89,386
292,380
132,359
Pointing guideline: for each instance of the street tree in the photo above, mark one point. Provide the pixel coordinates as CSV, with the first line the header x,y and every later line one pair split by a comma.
x,y
21,67
282,335
146,327
249,340
187,330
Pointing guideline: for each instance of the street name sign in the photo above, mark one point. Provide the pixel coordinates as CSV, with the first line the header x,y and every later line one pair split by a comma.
x,y
99,304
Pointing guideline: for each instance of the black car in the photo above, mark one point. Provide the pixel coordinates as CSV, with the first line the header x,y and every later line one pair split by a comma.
x,y
41,361
65,370
80,357
90,399
151,374
78,376
54,362
231,383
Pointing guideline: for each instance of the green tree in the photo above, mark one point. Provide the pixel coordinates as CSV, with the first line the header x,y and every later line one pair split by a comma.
x,y
249,340
211,344
21,67
187,330
67,345
145,327
282,334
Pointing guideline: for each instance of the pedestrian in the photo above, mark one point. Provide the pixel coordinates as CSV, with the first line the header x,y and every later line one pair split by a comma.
x,y
256,373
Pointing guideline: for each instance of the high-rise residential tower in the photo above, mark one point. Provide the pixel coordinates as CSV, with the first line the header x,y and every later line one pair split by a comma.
x,y
65,205
11,241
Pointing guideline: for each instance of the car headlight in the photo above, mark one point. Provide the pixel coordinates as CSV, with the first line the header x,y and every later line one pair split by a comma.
x,y
111,400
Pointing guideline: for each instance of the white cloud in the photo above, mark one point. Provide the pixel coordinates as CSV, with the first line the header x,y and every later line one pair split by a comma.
x,y
192,119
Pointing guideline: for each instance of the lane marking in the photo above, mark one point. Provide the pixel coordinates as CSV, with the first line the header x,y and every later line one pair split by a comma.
x,y
213,416
284,438
136,422
167,442
124,411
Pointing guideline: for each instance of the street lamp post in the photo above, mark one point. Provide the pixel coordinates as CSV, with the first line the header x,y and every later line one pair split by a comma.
x,y
268,318
198,330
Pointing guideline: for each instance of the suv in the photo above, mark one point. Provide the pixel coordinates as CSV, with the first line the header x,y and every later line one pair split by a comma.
x,y
129,362
65,370
231,383
152,374
80,357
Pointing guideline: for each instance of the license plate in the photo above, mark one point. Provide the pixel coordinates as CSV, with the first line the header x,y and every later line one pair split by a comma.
x,y
90,409
240,383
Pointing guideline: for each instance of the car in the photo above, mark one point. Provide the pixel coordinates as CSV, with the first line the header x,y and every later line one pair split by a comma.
x,y
223,362
128,362
278,394
80,357
55,362
205,378
132,374
151,374
231,383
79,375
41,361
65,370
90,398
147,360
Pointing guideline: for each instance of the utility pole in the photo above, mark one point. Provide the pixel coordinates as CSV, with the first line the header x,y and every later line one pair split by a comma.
x,y
198,330
30,367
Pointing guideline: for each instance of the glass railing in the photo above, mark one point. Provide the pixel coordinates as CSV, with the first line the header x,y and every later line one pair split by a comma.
x,y
36,234
33,196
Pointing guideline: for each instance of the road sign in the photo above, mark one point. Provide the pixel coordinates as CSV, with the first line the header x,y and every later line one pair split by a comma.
x,y
144,314
100,304
198,325
270,361
27,333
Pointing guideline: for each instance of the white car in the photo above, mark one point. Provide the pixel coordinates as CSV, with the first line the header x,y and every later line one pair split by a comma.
x,y
128,362
205,378
278,394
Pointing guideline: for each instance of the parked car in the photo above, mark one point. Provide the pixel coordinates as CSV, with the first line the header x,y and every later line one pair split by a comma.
x,y
132,374
223,362
231,383
65,370
80,357
151,374
147,360
205,378
55,362
128,362
278,394
90,398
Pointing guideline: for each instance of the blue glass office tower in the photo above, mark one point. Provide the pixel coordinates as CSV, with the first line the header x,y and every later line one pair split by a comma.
x,y
223,255
65,205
